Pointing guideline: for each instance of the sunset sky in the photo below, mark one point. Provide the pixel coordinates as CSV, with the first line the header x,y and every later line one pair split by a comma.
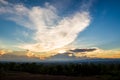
x,y
33,30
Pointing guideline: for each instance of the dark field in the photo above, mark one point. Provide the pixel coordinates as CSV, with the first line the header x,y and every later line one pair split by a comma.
x,y
70,71
28,76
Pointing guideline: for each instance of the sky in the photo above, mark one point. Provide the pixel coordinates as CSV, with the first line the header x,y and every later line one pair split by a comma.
x,y
35,30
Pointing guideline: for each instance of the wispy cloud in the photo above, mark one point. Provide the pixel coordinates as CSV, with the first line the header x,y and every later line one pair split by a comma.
x,y
3,2
51,31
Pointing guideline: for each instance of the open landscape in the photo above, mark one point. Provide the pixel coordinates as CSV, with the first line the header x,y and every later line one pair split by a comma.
x,y
53,71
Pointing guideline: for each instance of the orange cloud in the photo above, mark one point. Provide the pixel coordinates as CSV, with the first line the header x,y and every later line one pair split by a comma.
x,y
29,54
2,52
41,56
77,53
45,55
99,53
106,54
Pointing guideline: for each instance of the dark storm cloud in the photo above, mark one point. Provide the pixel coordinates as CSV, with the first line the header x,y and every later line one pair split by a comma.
x,y
83,50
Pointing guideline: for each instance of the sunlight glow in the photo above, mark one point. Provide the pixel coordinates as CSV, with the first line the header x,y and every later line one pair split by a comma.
x,y
61,51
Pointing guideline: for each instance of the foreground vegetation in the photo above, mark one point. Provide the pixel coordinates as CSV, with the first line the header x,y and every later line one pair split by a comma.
x,y
104,71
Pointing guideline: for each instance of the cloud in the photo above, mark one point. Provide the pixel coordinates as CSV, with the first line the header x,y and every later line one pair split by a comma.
x,y
99,53
44,55
3,2
54,54
83,50
104,54
4,51
21,58
51,31
29,54
76,53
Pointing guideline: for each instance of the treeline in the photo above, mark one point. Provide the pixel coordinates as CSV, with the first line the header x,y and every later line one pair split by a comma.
x,y
84,69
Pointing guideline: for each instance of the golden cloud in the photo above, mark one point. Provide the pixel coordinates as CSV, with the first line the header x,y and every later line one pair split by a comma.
x,y
74,53
99,53
45,55
4,51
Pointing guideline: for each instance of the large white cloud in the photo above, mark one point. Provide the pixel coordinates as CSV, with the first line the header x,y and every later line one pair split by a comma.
x,y
51,30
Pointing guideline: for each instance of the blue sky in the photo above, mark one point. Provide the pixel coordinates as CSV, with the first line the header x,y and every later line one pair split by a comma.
x,y
102,32
102,29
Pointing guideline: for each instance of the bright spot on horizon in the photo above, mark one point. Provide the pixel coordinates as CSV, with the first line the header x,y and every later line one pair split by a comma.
x,y
62,51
